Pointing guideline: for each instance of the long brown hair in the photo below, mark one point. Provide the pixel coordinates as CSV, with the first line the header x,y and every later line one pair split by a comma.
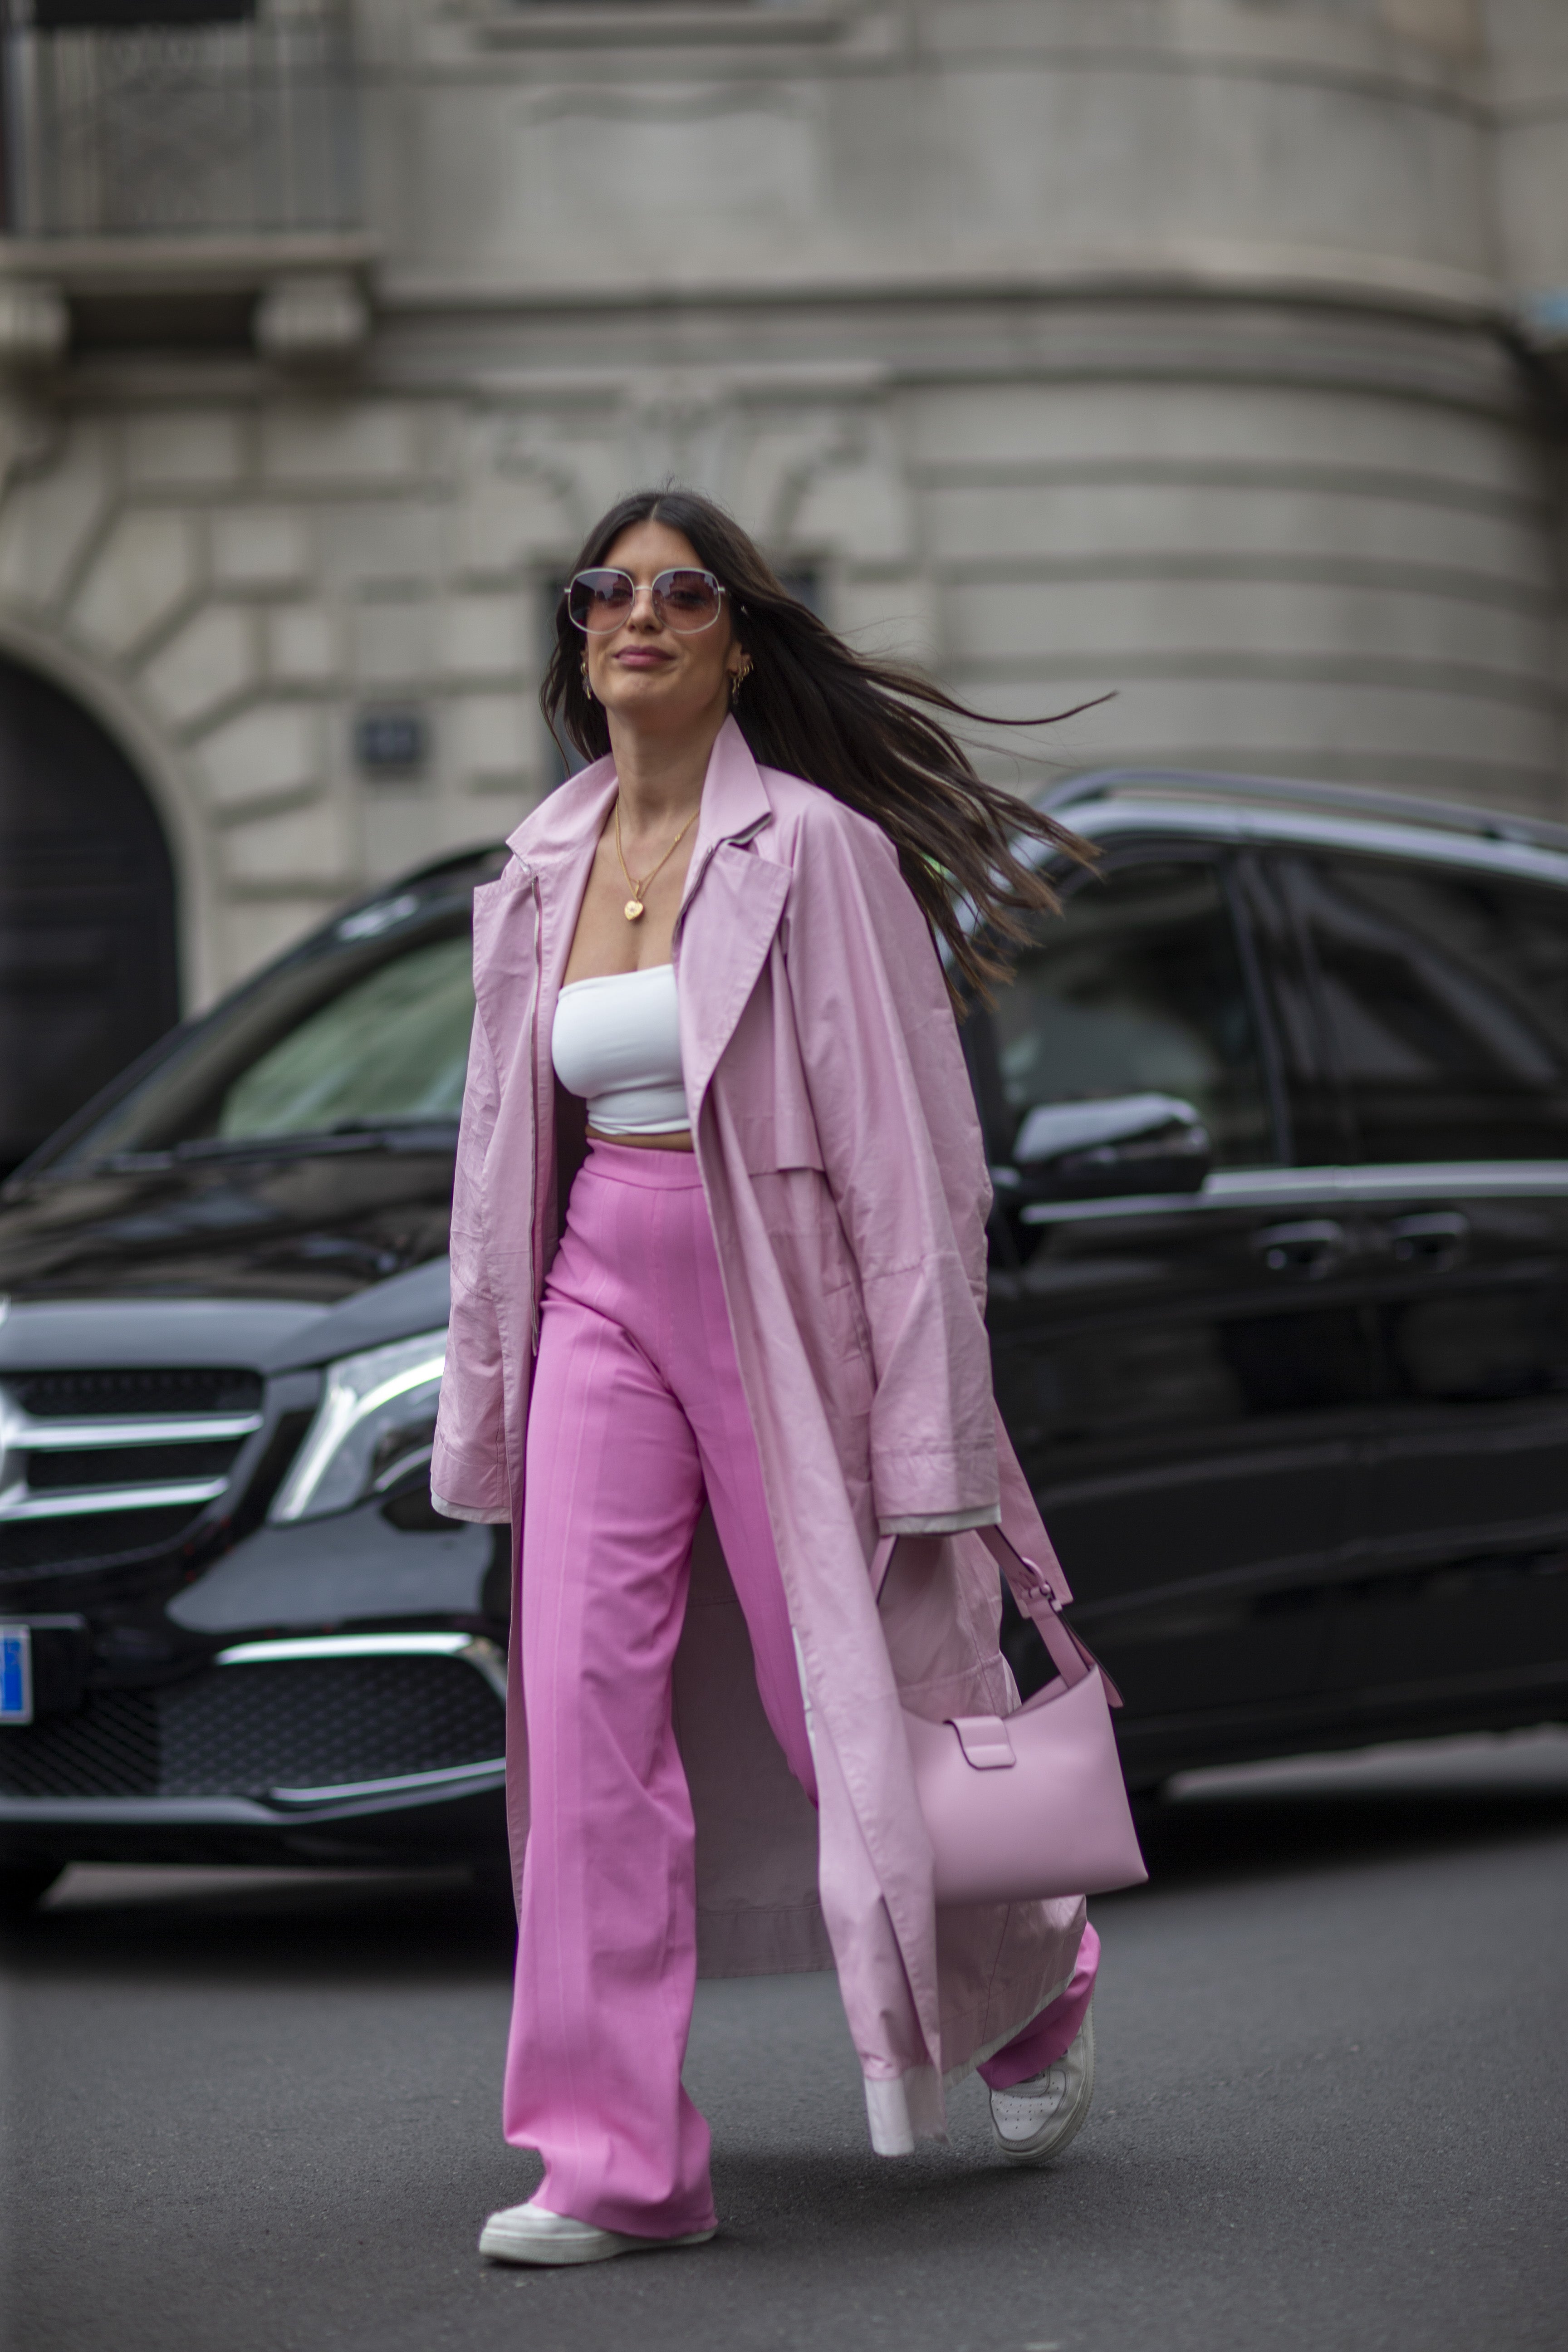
x,y
857,727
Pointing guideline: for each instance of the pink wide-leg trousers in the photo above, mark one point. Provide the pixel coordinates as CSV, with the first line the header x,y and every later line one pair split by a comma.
x,y
636,1416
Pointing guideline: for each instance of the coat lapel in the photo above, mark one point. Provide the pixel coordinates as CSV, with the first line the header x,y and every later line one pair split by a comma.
x,y
730,913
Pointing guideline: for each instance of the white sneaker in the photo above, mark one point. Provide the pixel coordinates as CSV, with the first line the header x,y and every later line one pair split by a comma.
x,y
531,2234
1034,2120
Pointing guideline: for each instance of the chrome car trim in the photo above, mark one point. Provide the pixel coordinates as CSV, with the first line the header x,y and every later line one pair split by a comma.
x,y
1381,1181
22,1435
450,1776
473,1650
84,1436
87,1502
1266,1188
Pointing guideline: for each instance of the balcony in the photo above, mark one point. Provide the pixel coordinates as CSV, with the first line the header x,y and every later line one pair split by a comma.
x,y
170,152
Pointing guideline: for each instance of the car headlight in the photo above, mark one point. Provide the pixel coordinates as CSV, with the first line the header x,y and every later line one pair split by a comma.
x,y
375,1421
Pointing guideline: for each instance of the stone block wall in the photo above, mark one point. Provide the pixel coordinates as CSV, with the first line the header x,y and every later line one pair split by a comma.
x,y
233,588
1322,581
1352,580
1164,349
229,587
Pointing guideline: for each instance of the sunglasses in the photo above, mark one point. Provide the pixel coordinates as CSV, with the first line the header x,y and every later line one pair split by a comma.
x,y
684,601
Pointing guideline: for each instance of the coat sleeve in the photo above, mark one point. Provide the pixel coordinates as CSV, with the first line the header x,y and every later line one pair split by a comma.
x,y
903,1158
468,1467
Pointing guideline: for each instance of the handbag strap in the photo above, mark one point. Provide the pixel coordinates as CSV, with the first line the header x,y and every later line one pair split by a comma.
x,y
1039,1593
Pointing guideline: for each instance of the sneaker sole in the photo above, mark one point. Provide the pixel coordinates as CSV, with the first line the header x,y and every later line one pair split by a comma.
x,y
592,2246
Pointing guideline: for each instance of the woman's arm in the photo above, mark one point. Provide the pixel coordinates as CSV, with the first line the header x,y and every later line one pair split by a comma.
x,y
903,1157
468,1466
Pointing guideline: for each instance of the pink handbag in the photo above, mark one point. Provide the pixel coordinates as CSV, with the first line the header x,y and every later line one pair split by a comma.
x,y
1032,1804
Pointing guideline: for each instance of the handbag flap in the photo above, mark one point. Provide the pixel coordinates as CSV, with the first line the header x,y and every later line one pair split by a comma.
x,y
984,1741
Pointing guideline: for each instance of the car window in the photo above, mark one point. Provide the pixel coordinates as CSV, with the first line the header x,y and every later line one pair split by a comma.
x,y
366,1028
394,1046
1443,995
1137,987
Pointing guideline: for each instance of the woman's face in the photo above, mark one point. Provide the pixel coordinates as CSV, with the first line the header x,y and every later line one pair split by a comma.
x,y
647,675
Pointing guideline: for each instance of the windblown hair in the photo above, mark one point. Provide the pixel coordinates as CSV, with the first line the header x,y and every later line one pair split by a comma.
x,y
860,728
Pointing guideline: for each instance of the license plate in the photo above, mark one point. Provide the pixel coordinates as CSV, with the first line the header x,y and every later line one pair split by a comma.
x,y
16,1674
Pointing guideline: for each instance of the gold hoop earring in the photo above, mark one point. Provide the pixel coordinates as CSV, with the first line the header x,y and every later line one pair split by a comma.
x,y
582,668
739,680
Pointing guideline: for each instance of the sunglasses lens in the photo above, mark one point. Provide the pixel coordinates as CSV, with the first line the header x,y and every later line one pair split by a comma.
x,y
599,601
690,599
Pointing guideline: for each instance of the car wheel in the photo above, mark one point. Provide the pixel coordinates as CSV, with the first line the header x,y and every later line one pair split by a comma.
x,y
24,1884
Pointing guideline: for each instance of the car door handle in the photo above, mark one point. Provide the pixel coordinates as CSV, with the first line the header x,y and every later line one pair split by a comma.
x,y
1437,1240
1306,1251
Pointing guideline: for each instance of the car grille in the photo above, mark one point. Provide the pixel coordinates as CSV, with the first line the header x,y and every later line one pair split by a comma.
x,y
150,1464
109,1750
104,1465
74,1396
248,1732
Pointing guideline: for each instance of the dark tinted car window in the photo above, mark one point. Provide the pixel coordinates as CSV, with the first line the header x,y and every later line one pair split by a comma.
x,y
1444,999
1137,987
365,1027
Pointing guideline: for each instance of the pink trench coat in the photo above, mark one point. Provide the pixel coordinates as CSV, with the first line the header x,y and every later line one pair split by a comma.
x,y
844,1171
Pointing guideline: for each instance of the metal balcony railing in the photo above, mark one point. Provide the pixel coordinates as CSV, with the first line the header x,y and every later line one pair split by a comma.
x,y
121,126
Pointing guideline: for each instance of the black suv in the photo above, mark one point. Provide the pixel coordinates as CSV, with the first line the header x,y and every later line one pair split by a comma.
x,y
1278,1114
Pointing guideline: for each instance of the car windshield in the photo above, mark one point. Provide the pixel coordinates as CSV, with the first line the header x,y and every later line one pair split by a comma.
x,y
395,1046
362,1031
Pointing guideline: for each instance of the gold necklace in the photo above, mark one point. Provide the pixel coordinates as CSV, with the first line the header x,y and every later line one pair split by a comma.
x,y
633,909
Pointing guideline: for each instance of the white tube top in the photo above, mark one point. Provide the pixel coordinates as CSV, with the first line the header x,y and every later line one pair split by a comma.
x,y
617,1043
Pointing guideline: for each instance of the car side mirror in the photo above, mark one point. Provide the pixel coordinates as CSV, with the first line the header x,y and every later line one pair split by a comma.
x,y
1098,1150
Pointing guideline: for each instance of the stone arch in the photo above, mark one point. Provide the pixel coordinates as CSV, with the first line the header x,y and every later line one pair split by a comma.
x,y
165,776
90,953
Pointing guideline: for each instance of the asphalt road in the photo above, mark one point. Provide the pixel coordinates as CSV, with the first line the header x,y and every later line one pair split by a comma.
x,y
1333,2060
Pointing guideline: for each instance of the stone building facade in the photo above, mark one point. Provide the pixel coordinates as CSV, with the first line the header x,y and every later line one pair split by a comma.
x,y
1199,350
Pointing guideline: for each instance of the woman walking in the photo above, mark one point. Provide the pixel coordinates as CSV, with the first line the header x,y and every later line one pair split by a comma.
x,y
718,1237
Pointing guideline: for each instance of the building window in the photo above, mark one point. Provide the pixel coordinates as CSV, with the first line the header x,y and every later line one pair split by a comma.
x,y
179,116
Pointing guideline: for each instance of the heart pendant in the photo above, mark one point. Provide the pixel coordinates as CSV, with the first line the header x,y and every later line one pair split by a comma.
x,y
632,911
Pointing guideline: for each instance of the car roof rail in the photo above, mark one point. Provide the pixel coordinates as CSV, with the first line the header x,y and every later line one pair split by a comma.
x,y
1282,792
